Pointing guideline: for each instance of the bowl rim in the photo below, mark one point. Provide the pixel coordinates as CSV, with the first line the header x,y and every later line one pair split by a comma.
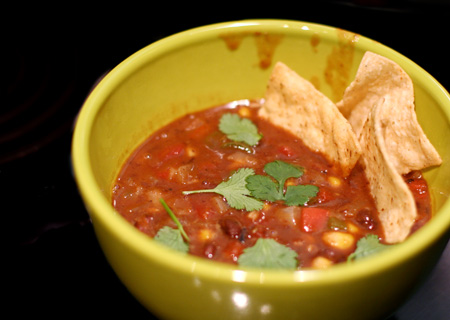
x,y
102,211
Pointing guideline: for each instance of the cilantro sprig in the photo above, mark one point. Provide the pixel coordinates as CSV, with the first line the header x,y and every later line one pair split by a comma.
x,y
239,129
246,190
265,188
268,253
235,191
367,246
174,238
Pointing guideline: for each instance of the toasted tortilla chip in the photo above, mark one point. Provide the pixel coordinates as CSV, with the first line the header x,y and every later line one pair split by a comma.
x,y
379,105
377,78
394,201
407,146
295,104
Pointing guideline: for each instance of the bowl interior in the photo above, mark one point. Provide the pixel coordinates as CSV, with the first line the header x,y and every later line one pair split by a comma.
x,y
217,64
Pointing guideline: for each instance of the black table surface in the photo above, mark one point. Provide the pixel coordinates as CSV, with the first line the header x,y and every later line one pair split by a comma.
x,y
55,55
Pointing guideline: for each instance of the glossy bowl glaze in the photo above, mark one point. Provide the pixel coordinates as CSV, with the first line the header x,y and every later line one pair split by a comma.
x,y
220,63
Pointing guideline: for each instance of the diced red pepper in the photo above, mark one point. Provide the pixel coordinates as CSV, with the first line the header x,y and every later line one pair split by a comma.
x,y
324,195
163,173
172,151
286,151
419,188
313,219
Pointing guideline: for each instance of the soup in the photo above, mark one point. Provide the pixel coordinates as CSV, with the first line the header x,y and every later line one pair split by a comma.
x,y
193,154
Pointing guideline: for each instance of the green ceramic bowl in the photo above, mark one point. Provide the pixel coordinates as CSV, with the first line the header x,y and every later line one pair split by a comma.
x,y
216,64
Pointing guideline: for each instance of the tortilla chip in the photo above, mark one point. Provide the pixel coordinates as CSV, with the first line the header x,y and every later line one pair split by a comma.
x,y
295,104
394,201
378,78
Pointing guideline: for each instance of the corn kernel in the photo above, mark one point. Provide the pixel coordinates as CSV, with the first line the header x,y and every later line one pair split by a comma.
x,y
334,182
321,263
253,215
244,112
206,234
191,152
338,240
290,182
352,228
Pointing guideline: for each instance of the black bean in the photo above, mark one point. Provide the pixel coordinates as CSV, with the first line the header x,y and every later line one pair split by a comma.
x,y
209,250
231,227
365,218
243,235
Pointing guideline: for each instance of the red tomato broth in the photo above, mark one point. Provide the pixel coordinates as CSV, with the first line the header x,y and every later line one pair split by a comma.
x,y
191,154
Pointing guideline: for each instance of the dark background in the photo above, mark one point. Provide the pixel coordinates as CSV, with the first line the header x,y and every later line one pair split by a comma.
x,y
54,54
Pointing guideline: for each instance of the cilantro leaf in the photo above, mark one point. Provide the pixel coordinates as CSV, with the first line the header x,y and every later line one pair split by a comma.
x,y
239,129
367,246
262,187
299,195
235,191
282,171
268,253
172,238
